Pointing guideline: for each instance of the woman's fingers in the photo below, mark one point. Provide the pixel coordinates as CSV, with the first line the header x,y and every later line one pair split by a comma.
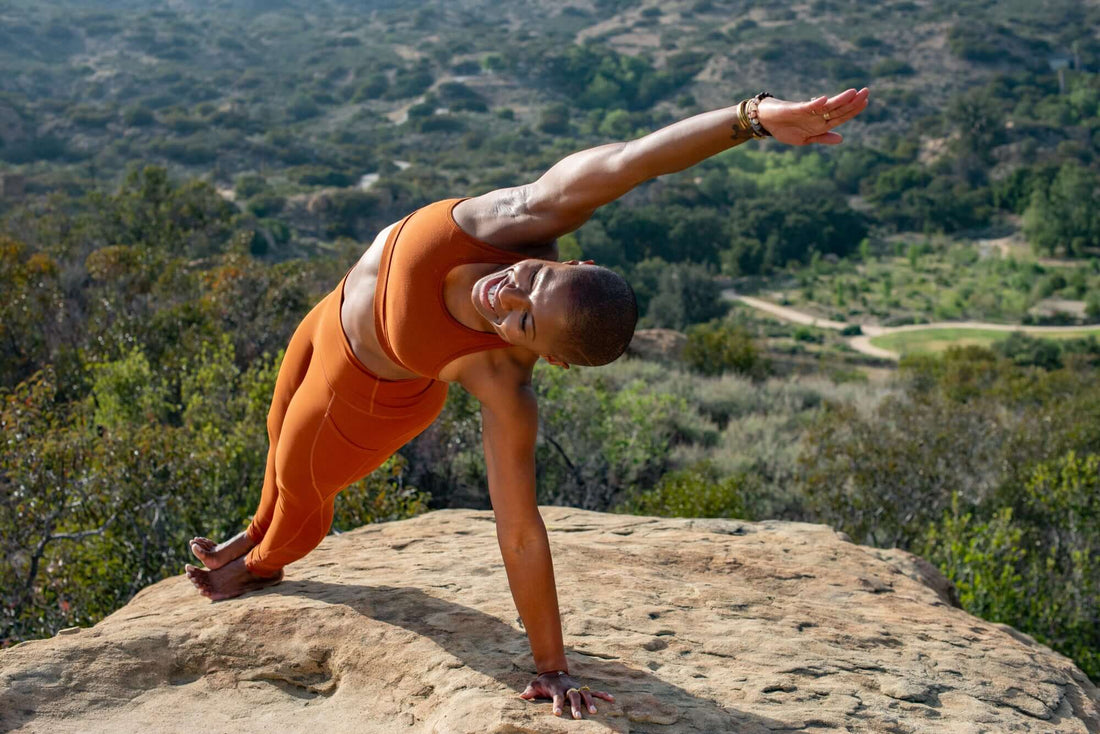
x,y
841,99
857,102
816,105
579,699
834,120
575,702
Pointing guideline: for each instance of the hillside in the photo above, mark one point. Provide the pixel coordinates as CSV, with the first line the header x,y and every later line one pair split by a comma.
x,y
240,86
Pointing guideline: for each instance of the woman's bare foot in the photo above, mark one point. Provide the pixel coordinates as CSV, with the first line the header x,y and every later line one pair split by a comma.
x,y
232,579
215,555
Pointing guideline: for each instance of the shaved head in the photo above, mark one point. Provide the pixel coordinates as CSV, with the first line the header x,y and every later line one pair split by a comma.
x,y
601,318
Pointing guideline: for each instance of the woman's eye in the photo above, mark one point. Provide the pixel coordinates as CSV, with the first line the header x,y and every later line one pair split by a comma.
x,y
523,323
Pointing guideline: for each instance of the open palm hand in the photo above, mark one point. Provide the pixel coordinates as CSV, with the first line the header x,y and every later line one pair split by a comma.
x,y
563,689
802,123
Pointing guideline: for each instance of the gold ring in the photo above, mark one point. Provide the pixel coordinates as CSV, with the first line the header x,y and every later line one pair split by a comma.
x,y
572,690
585,688
825,116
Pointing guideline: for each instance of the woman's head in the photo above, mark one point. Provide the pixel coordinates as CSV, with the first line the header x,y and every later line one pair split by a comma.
x,y
572,313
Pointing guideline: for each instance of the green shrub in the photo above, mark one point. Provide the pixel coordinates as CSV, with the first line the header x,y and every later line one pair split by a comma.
x,y
1034,564
981,559
266,205
1092,306
249,185
694,492
717,347
138,116
1029,351
807,334
892,67
554,120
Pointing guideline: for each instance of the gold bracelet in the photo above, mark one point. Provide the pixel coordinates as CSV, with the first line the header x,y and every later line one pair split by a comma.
x,y
742,130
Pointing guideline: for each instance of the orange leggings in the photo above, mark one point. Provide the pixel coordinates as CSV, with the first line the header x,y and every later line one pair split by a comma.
x,y
332,422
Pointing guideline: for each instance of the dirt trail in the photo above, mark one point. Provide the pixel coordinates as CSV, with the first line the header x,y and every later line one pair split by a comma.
x,y
862,343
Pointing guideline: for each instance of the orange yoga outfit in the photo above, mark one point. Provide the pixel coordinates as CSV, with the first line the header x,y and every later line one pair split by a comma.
x,y
332,421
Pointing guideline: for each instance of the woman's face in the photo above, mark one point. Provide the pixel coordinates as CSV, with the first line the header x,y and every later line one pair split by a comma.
x,y
526,304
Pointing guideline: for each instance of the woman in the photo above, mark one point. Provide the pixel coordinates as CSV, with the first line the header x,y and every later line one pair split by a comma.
x,y
470,291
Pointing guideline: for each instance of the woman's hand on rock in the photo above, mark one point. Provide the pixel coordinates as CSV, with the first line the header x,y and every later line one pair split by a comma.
x,y
802,123
563,688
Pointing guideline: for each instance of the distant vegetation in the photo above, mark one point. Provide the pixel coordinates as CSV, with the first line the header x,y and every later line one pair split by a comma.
x,y
179,184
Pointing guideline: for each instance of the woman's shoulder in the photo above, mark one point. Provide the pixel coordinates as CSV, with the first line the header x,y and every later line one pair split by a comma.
x,y
491,369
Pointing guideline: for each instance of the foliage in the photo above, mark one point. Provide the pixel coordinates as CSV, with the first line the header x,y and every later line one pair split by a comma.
x,y
990,469
686,294
716,347
694,492
598,440
787,227
1035,564
1064,217
595,76
966,424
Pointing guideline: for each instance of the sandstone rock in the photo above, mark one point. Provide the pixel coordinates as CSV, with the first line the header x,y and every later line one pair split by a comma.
x,y
657,344
695,625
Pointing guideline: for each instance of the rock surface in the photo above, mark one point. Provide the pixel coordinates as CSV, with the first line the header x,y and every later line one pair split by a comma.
x,y
695,625
657,344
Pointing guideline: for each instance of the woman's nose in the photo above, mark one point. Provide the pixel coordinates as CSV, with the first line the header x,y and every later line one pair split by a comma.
x,y
512,296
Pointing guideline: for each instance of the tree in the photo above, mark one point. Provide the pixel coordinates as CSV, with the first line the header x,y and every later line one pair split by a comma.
x,y
1064,217
979,120
686,294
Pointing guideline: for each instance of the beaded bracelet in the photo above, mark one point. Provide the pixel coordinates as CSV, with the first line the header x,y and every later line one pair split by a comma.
x,y
751,112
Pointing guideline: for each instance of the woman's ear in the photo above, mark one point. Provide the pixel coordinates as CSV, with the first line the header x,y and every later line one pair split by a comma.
x,y
555,361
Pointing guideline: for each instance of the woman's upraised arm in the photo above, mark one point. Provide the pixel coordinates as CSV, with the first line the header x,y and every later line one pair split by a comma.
x,y
564,197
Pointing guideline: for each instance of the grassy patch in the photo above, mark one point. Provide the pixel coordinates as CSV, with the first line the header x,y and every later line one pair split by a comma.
x,y
936,280
939,339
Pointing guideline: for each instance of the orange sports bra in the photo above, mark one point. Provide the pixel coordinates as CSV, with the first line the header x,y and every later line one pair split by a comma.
x,y
411,319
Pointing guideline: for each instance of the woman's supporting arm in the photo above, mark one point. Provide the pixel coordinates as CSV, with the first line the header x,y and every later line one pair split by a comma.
x,y
509,425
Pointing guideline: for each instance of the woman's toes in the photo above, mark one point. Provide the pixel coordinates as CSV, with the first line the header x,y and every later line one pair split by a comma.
x,y
203,544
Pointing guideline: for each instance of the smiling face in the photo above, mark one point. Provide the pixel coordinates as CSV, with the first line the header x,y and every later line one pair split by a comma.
x,y
526,304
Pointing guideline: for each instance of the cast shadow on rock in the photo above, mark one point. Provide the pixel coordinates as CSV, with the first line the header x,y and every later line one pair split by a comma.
x,y
491,647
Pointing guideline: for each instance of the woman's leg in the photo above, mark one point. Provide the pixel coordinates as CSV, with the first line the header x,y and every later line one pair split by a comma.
x,y
292,371
341,423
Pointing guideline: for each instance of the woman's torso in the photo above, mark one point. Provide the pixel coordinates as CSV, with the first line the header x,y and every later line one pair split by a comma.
x,y
357,310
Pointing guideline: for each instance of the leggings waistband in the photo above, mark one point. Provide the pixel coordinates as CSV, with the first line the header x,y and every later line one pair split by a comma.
x,y
350,378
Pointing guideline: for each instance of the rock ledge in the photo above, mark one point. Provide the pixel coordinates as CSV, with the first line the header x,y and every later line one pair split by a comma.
x,y
696,626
